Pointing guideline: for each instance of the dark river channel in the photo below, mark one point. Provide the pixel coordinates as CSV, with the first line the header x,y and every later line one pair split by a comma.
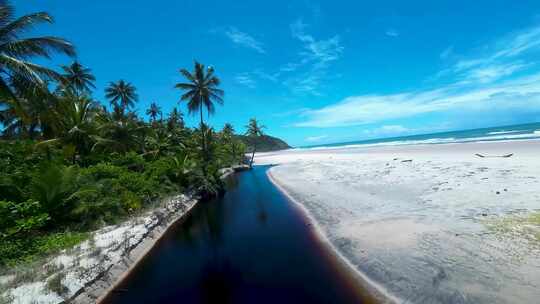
x,y
250,246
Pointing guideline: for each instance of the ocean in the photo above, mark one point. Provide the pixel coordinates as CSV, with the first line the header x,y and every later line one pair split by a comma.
x,y
513,132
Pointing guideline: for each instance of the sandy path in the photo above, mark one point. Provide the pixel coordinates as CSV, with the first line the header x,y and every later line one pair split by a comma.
x,y
431,223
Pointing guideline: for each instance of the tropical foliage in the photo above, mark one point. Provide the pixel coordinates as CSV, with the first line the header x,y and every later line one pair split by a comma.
x,y
254,130
17,50
201,92
70,163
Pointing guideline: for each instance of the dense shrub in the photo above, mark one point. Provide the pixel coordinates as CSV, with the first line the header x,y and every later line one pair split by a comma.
x,y
50,200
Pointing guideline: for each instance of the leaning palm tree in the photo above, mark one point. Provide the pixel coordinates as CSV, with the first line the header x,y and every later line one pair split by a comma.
x,y
78,78
229,141
122,95
254,130
15,51
153,111
201,92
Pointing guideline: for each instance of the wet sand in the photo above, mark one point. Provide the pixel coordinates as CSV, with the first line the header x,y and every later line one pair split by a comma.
x,y
430,223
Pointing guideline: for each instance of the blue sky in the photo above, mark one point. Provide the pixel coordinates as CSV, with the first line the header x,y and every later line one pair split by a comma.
x,y
317,72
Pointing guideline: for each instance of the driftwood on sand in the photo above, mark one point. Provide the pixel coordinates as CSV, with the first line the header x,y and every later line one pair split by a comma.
x,y
500,156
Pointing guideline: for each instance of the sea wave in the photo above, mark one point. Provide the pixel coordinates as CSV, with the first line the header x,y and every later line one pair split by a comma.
x,y
492,136
503,132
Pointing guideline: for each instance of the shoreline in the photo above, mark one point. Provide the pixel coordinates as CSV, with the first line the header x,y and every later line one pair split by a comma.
x,y
427,222
391,148
352,146
377,291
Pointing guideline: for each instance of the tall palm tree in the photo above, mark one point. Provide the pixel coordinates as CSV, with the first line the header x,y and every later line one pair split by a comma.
x,y
254,130
15,51
153,111
122,95
201,92
78,78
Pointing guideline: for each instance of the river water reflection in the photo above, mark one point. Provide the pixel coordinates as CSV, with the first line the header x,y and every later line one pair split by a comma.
x,y
250,246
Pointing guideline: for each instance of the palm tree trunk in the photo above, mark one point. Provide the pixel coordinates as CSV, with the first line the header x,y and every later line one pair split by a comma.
x,y
202,131
252,156
203,141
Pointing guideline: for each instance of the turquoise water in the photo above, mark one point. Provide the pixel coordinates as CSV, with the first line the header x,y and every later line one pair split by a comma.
x,y
514,132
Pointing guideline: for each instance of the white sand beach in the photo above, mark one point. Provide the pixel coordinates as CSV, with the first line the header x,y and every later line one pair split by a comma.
x,y
429,223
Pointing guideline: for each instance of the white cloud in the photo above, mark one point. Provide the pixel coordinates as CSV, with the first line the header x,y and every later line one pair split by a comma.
x,y
316,138
523,93
500,60
316,50
302,76
392,33
316,55
483,85
266,76
490,73
245,79
244,39
519,43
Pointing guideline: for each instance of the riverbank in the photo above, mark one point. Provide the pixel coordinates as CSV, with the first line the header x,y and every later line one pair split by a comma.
x,y
86,272
430,223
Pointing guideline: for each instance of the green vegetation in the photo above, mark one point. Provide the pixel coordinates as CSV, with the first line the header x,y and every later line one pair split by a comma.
x,y
254,131
264,143
70,164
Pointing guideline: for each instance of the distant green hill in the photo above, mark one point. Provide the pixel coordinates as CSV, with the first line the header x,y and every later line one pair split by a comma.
x,y
265,143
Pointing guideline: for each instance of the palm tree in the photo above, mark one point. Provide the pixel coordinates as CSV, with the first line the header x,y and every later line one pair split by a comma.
x,y
153,111
176,119
228,130
15,51
31,112
160,142
74,125
201,92
229,141
122,95
120,135
254,130
78,78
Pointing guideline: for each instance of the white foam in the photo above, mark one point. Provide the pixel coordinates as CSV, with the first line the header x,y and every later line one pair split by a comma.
x,y
502,132
492,136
